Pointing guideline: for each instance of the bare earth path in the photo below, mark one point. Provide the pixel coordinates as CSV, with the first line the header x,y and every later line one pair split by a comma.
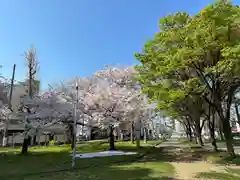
x,y
186,166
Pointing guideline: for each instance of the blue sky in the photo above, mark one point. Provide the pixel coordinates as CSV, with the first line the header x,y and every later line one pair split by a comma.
x,y
79,37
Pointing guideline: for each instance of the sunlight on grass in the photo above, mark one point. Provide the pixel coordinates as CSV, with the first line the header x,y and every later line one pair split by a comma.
x,y
228,174
222,158
157,168
48,158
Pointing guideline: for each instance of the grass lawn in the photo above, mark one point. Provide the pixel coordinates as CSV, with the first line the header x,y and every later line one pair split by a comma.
x,y
220,157
227,174
57,158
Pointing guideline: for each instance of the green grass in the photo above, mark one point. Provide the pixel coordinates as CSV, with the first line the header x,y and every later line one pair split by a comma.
x,y
57,158
221,157
228,174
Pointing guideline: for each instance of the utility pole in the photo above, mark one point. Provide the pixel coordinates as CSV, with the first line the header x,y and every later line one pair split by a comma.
x,y
11,89
5,137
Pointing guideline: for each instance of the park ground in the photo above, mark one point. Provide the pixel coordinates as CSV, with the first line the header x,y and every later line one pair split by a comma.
x,y
170,160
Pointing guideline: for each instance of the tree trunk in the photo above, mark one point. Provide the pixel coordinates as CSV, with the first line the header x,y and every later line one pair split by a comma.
x,y
34,140
132,133
111,139
224,115
198,134
228,137
211,127
25,145
190,134
196,140
138,138
188,130
145,135
5,134
138,133
212,135
69,133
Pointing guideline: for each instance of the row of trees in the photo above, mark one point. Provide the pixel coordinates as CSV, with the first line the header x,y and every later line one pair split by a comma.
x,y
110,98
191,69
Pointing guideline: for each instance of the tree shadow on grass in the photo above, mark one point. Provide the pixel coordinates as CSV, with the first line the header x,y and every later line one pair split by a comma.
x,y
230,174
55,161
189,154
105,173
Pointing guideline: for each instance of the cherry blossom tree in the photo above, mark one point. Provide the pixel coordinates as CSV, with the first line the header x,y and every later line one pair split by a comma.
x,y
85,87
137,108
4,108
42,111
110,103
107,99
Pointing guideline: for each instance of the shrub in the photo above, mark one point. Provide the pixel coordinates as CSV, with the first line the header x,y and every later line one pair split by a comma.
x,y
51,142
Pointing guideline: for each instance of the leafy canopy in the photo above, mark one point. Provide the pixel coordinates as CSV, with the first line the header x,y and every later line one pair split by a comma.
x,y
190,55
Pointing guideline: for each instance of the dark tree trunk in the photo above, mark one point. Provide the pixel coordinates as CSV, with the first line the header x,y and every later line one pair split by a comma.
x,y
198,134
111,139
91,137
226,124
211,126
228,137
69,133
225,117
188,130
132,133
190,134
25,144
34,140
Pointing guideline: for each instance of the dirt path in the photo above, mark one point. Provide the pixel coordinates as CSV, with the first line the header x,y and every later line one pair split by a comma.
x,y
188,171
186,164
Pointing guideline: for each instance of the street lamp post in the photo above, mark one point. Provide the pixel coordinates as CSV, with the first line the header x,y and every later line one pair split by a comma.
x,y
74,128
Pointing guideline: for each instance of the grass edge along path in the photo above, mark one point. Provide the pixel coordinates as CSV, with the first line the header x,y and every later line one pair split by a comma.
x,y
220,157
131,159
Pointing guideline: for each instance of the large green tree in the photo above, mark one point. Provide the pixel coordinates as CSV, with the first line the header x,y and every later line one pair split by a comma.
x,y
195,56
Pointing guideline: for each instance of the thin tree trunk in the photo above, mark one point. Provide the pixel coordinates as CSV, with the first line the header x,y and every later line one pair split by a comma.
x,y
138,138
132,133
145,135
111,139
5,134
188,130
212,135
211,127
189,133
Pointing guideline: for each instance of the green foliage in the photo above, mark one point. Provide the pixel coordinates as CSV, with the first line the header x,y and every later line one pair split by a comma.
x,y
51,142
190,56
